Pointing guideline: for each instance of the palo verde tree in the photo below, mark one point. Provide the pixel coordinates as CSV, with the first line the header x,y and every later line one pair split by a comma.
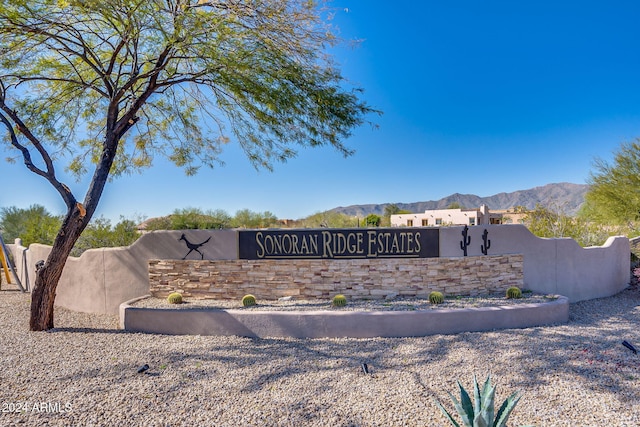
x,y
614,192
102,87
33,225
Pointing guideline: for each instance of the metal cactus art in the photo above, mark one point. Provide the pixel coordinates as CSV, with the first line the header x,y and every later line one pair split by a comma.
x,y
487,243
466,240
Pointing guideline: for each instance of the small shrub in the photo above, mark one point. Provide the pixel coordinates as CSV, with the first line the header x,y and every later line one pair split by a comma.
x,y
339,301
514,292
480,411
248,300
174,298
436,297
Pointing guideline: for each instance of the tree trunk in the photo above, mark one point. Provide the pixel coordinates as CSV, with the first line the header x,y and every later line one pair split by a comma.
x,y
44,291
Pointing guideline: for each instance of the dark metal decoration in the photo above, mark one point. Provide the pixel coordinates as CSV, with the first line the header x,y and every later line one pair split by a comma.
x,y
466,240
334,243
630,347
193,246
487,243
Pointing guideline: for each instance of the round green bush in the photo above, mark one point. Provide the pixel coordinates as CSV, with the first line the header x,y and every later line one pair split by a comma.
x,y
514,292
339,301
174,298
248,300
436,297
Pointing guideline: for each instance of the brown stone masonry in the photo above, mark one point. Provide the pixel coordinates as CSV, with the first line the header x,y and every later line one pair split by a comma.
x,y
322,279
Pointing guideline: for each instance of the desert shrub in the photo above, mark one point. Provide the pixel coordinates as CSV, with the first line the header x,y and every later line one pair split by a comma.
x,y
480,411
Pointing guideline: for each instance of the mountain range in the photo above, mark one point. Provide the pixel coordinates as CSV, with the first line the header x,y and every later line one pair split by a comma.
x,y
564,196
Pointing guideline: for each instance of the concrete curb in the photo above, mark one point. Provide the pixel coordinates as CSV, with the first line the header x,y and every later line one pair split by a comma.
x,y
332,324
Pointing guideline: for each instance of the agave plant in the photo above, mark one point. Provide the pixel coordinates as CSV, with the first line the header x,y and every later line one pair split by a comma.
x,y
480,412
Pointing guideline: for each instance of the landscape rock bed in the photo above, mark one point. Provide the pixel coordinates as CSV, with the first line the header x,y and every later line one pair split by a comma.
x,y
393,304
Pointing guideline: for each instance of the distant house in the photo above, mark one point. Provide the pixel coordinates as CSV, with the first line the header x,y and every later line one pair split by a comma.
x,y
445,217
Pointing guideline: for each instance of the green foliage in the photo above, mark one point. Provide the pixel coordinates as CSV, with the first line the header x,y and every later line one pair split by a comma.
x,y
514,292
553,223
160,223
194,218
480,412
246,218
257,68
197,219
36,225
339,301
372,220
33,225
191,219
328,219
547,222
101,234
614,192
391,209
174,298
436,297
248,300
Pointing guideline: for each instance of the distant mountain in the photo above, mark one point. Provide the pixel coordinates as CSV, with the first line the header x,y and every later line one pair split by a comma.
x,y
563,196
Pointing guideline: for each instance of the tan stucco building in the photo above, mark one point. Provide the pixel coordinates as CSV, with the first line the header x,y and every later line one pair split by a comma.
x,y
446,217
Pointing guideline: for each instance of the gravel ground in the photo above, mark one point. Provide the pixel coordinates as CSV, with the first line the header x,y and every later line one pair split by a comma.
x,y
85,372
393,304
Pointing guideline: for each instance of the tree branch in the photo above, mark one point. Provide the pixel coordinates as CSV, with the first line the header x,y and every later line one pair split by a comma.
x,y
49,173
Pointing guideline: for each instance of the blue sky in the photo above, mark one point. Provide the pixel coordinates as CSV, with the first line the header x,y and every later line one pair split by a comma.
x,y
479,97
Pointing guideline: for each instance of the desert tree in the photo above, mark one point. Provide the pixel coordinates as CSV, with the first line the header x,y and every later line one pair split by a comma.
x,y
614,193
33,225
246,218
103,87
372,220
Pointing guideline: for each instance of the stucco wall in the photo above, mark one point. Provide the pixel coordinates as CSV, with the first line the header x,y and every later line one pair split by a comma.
x,y
101,279
558,266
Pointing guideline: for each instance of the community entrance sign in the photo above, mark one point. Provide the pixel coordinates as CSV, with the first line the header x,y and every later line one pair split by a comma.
x,y
332,243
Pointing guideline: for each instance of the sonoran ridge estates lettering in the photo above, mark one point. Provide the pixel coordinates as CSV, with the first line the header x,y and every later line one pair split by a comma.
x,y
338,243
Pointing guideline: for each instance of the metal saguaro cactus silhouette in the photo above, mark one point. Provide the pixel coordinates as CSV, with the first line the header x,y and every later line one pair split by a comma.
x,y
487,243
466,240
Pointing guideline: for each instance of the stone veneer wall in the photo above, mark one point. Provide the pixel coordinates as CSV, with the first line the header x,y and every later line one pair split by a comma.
x,y
321,279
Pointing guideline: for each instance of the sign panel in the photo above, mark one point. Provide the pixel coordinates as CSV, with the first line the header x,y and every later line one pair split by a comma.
x,y
331,243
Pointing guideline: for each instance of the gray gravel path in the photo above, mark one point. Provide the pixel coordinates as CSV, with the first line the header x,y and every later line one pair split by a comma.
x,y
84,372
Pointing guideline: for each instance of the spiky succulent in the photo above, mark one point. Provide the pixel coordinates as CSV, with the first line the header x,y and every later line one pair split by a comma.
x,y
339,301
248,300
480,412
436,297
514,292
174,298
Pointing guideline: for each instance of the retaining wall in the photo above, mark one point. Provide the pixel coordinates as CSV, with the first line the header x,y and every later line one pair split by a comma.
x,y
321,279
101,279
